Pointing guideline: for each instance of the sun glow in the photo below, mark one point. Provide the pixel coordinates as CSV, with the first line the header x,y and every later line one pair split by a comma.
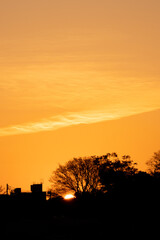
x,y
69,196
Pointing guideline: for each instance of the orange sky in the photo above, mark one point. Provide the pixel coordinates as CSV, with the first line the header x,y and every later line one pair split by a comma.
x,y
64,64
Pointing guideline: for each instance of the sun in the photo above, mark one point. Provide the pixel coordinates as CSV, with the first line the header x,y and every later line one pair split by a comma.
x,y
69,196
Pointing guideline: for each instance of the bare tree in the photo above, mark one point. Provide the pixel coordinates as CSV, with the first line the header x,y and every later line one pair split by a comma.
x,y
154,164
79,175
92,174
2,190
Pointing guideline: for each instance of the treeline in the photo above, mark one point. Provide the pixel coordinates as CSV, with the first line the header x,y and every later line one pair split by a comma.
x,y
105,175
108,178
113,199
121,199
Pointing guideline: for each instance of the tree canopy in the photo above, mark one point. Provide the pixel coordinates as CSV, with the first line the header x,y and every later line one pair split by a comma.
x,y
91,174
77,175
154,164
114,171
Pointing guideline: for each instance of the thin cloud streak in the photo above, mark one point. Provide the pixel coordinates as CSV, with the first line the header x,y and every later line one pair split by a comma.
x,y
54,123
58,122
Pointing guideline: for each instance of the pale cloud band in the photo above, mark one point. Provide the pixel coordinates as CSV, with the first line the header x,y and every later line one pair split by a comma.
x,y
58,122
54,123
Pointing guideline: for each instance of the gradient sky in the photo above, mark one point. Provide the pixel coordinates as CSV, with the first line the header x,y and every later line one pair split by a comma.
x,y
65,63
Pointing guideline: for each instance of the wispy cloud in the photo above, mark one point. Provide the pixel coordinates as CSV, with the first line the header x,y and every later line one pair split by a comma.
x,y
54,123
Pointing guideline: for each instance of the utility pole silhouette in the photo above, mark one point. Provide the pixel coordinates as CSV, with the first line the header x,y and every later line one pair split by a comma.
x,y
7,188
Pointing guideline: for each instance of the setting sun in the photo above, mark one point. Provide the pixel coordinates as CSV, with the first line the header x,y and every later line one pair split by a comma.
x,y
69,196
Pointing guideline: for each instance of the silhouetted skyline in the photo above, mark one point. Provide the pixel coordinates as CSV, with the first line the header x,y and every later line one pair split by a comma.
x,y
127,202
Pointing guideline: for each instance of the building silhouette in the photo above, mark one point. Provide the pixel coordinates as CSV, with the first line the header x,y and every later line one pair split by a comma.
x,y
36,194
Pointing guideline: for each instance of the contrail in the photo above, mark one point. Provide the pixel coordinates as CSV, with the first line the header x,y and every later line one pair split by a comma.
x,y
60,121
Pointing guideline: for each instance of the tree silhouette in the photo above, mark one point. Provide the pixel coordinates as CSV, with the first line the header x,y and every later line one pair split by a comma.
x,y
1,190
80,175
115,173
154,164
92,174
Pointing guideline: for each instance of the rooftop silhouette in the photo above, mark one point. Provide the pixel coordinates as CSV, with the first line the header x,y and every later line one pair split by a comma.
x,y
113,199
36,194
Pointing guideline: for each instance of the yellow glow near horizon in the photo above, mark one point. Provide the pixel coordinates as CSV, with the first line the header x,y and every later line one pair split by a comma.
x,y
69,196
